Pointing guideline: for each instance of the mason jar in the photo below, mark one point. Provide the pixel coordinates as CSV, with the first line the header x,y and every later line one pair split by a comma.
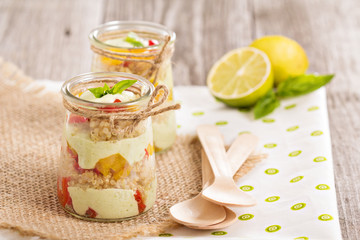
x,y
141,48
107,163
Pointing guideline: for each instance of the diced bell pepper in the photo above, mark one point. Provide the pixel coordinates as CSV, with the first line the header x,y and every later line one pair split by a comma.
x,y
140,202
114,164
62,191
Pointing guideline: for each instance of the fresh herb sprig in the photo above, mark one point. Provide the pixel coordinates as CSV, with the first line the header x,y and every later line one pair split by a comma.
x,y
292,87
116,89
133,39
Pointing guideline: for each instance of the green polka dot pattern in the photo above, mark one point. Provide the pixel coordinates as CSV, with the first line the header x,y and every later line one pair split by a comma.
x,y
320,159
273,228
270,145
295,153
165,235
313,108
296,179
198,113
322,187
298,206
221,123
243,132
316,133
290,106
291,129
271,171
272,199
247,188
268,120
219,233
246,217
325,217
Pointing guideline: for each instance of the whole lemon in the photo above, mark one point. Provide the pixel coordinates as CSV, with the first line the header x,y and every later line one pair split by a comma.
x,y
287,57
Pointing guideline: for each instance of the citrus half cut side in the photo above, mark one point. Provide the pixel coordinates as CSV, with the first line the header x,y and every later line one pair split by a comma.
x,y
241,77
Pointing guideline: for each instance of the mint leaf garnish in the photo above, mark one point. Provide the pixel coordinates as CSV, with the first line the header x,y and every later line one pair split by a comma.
x,y
121,86
117,88
266,104
303,84
133,39
98,92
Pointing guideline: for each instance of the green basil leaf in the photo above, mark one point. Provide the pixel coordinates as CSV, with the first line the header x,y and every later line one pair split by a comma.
x,y
303,84
121,86
117,88
266,104
132,38
106,88
98,92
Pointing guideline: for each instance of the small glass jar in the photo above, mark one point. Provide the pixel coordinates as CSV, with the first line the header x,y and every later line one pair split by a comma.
x,y
107,164
152,61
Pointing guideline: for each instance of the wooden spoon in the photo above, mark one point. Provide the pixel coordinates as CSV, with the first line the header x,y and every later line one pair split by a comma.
x,y
239,151
189,213
197,211
223,190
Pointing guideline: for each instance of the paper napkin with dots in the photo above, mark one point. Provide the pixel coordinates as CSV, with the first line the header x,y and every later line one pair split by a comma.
x,y
294,186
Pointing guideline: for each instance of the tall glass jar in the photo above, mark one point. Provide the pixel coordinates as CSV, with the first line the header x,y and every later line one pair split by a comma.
x,y
148,54
107,163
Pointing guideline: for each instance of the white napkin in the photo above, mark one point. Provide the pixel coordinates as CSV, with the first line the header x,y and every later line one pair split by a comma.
x,y
298,126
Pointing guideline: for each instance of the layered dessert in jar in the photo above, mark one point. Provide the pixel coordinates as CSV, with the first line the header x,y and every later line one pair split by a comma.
x,y
144,49
107,163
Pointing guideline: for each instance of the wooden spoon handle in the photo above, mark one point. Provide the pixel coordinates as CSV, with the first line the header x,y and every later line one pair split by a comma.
x,y
207,174
237,154
213,144
240,150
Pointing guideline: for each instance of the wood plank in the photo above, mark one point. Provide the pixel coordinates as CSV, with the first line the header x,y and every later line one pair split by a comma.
x,y
48,39
344,114
203,33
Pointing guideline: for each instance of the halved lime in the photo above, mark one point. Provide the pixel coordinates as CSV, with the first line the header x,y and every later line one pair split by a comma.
x,y
241,77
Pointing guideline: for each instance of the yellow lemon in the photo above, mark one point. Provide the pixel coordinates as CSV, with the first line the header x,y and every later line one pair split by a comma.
x,y
287,57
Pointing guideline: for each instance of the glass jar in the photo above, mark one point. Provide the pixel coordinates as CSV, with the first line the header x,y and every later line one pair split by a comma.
x,y
152,61
107,163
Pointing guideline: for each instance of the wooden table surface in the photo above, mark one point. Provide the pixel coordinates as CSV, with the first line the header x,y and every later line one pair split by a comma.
x,y
48,40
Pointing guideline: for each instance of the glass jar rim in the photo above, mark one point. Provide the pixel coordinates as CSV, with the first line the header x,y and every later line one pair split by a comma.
x,y
117,25
87,77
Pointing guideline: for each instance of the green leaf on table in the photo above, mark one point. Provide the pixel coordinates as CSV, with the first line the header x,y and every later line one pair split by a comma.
x,y
133,39
303,84
121,86
117,88
266,104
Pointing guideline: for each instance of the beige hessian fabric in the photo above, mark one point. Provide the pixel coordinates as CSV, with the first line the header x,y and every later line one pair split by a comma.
x,y
30,131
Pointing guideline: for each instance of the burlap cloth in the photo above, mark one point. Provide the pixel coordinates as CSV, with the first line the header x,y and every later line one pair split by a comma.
x,y
30,128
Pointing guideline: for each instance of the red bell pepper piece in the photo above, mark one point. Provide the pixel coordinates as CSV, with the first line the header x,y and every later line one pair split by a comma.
x,y
75,156
90,213
62,191
139,200
73,118
151,43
